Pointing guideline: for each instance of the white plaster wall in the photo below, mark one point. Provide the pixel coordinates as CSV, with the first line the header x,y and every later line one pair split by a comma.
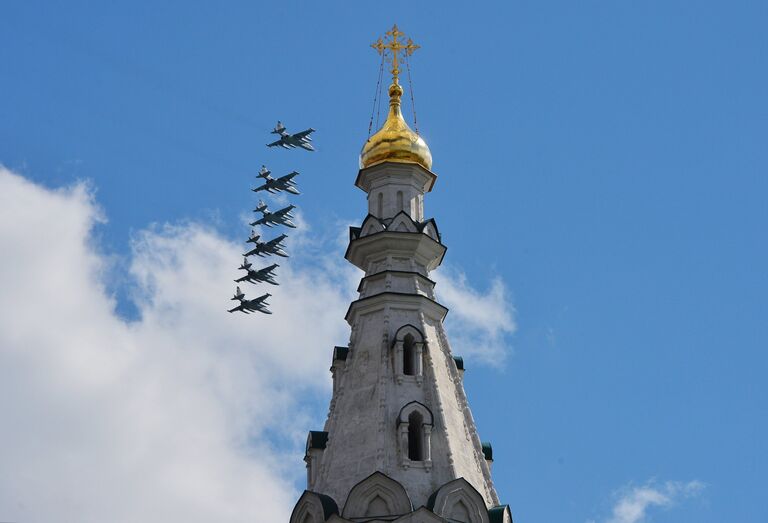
x,y
405,282
413,200
363,436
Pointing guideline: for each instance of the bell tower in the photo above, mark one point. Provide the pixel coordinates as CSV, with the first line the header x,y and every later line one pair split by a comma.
x,y
400,443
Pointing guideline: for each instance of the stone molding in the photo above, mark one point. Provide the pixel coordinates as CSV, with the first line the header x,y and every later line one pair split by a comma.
x,y
368,177
395,299
422,248
380,489
457,498
455,502
317,507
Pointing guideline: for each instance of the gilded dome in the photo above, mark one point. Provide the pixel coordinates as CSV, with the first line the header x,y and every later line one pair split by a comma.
x,y
395,141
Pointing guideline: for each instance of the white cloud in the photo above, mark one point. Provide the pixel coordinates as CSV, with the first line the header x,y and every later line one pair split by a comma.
x,y
186,413
635,502
163,418
478,324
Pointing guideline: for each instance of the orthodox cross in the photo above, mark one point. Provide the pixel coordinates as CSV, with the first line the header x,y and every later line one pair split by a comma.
x,y
392,42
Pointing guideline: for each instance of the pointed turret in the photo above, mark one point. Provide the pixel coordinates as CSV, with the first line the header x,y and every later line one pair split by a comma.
x,y
400,440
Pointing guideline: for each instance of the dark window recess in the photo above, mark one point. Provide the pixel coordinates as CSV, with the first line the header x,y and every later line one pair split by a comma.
x,y
409,356
415,437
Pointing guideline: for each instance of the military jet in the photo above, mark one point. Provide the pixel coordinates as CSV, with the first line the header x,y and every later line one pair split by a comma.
x,y
273,185
246,265
248,306
270,219
291,141
274,246
262,275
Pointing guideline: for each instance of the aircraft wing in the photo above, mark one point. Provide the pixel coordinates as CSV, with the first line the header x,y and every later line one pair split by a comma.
x,y
288,176
258,307
303,134
277,240
253,251
275,143
260,188
284,211
267,270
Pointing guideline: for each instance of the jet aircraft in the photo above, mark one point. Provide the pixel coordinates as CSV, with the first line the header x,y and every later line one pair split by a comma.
x,y
270,219
291,141
246,265
248,306
262,275
273,246
274,185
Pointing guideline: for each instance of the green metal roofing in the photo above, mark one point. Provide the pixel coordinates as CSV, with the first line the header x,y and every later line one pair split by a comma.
x,y
317,439
487,450
496,514
340,353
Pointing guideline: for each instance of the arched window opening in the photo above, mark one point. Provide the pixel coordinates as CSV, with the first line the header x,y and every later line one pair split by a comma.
x,y
380,206
409,356
400,206
415,437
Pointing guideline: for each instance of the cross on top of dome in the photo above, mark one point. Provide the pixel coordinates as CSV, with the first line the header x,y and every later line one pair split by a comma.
x,y
391,42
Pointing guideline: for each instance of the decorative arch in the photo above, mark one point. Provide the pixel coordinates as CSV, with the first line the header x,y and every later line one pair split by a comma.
x,y
402,222
313,508
415,406
375,493
415,433
457,500
370,225
430,229
409,329
409,354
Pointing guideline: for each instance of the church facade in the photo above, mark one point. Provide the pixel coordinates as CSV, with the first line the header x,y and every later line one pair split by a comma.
x,y
399,444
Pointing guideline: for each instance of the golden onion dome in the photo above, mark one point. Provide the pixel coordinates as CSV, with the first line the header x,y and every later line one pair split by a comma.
x,y
395,141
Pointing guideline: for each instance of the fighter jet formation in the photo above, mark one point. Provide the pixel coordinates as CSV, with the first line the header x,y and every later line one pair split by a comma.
x,y
262,275
273,246
268,218
275,185
291,141
248,306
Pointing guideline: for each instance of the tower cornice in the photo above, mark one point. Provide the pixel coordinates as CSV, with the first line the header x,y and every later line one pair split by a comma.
x,y
425,250
384,272
416,302
367,176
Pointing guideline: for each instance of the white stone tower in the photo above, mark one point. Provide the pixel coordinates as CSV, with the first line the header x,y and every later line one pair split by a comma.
x,y
399,443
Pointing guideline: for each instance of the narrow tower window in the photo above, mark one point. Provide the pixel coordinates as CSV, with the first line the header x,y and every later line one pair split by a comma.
x,y
415,437
380,207
409,356
414,431
400,201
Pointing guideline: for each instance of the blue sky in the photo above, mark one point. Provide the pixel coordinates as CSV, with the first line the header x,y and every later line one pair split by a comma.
x,y
605,160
